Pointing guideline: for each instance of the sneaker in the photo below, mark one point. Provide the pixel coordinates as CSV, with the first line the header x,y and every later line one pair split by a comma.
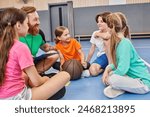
x,y
112,93
56,66
85,74
68,83
42,74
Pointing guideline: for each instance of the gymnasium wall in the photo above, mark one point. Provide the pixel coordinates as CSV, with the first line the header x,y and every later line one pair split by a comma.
x,y
84,18
85,10
42,4
137,14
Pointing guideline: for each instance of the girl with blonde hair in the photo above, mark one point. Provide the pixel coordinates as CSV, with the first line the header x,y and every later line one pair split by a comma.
x,y
126,72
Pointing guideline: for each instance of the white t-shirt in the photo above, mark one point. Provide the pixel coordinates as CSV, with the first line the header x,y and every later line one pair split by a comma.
x,y
99,44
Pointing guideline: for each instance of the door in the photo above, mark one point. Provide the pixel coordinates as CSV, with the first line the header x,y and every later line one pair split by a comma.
x,y
61,15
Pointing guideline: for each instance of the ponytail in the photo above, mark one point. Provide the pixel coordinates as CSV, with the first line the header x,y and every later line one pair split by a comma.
x,y
56,40
6,42
114,42
8,20
127,32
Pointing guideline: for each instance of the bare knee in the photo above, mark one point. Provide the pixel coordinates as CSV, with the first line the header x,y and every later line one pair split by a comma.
x,y
54,57
65,75
51,59
51,86
94,70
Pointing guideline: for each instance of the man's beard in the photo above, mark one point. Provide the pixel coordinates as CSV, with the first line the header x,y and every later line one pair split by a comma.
x,y
34,30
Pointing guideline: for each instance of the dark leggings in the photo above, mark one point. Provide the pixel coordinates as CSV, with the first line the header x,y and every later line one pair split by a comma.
x,y
60,93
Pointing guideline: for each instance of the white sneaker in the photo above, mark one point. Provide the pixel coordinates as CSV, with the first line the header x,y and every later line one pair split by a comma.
x,y
112,93
85,74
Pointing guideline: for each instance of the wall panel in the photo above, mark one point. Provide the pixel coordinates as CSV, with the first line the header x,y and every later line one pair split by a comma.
x,y
137,1
20,3
6,3
43,4
84,18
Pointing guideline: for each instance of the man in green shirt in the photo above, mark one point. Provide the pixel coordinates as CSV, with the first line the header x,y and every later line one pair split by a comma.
x,y
35,42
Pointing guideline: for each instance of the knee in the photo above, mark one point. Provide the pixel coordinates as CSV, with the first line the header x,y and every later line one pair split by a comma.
x,y
93,70
54,57
65,75
112,79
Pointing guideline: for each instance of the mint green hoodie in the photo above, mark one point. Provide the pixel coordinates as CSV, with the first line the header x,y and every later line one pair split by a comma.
x,y
129,62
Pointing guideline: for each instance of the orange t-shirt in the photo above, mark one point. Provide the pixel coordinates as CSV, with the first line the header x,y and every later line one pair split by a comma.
x,y
70,51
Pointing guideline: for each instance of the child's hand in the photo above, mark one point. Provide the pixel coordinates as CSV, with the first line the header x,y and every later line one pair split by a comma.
x,y
52,48
105,78
45,78
84,64
61,69
103,35
96,35
25,77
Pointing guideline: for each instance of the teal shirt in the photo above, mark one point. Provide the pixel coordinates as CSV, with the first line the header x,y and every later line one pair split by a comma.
x,y
33,42
129,63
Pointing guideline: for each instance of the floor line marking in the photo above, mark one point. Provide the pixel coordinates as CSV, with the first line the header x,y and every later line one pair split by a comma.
x,y
146,63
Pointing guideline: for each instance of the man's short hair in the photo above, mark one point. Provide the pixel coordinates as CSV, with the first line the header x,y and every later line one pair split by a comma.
x,y
28,9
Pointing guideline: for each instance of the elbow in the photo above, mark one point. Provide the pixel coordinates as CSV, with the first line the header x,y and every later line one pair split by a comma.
x,y
122,69
122,72
36,82
33,84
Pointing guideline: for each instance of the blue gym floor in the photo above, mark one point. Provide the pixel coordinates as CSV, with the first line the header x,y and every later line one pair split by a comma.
x,y
92,88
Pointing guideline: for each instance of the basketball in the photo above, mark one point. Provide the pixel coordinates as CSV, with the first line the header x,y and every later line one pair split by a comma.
x,y
74,68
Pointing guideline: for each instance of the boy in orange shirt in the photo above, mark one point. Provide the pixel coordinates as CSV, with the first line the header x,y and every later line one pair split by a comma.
x,y
69,48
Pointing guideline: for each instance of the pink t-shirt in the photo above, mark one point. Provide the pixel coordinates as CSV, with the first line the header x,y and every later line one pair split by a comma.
x,y
19,58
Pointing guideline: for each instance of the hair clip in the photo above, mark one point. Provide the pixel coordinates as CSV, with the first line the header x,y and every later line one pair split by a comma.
x,y
9,24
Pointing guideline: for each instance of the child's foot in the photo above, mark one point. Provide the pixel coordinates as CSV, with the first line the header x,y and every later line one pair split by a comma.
x,y
85,74
112,93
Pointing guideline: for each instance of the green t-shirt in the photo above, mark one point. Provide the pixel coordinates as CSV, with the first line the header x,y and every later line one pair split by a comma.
x,y
33,42
129,63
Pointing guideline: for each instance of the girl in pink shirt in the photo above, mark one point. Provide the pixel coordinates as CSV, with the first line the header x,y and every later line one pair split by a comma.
x,y
16,59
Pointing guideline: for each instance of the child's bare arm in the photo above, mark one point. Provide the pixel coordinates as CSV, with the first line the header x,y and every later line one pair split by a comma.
x,y
91,52
103,35
83,62
62,60
34,78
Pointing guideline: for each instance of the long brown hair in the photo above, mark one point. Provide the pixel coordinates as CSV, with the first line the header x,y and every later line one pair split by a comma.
x,y
114,23
58,32
9,18
125,27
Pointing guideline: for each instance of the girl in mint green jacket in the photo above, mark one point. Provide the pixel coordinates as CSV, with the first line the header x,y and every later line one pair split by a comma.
x,y
126,72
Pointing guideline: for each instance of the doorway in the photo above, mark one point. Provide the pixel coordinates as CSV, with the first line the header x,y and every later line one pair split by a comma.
x,y
61,14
